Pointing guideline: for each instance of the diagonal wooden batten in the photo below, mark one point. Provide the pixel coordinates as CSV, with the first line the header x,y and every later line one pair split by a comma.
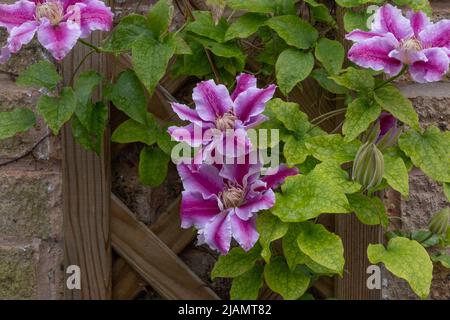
x,y
155,262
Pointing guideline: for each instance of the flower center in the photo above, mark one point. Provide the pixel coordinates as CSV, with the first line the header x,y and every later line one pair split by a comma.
x,y
412,44
52,10
226,121
232,197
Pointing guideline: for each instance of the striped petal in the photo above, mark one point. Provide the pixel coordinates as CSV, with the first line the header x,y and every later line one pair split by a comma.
x,y
390,19
217,233
211,100
196,211
437,35
419,21
252,102
244,232
95,15
262,201
59,39
244,81
204,179
186,113
14,15
276,177
21,35
433,69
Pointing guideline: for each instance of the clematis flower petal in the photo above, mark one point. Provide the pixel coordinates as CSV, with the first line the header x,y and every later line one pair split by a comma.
x,y
196,211
192,134
14,15
437,35
387,121
374,53
277,178
390,19
217,233
244,81
252,102
408,56
59,39
244,232
239,173
433,69
186,113
211,100
21,35
204,179
95,15
419,21
255,121
360,35
263,201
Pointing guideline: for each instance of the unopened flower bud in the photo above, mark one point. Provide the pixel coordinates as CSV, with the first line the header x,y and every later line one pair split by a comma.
x,y
368,167
439,223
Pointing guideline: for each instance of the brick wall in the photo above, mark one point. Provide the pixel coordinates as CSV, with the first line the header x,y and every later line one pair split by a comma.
x,y
432,102
30,196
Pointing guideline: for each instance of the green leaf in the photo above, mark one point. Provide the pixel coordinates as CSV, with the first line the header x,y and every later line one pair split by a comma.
x,y
131,131
57,110
320,12
160,17
131,28
429,151
165,141
195,64
332,147
305,197
447,190
444,259
406,259
355,20
393,101
204,26
226,50
369,210
236,262
323,247
295,31
270,228
81,134
245,26
290,284
292,67
331,54
356,3
425,238
247,285
289,114
258,6
361,112
150,59
41,74
396,174
181,46
356,79
153,164
416,5
321,76
15,121
128,95
295,150
85,84
291,250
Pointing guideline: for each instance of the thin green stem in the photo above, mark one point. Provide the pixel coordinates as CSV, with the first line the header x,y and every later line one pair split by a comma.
x,y
90,45
331,114
80,65
381,85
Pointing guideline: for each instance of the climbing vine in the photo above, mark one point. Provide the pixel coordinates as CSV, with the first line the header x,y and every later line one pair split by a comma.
x,y
248,56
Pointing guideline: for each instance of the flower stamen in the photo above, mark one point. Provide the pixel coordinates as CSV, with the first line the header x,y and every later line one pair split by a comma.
x,y
51,10
232,197
226,121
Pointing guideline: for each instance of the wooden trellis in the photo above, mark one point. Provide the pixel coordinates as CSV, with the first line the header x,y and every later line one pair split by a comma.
x,y
96,221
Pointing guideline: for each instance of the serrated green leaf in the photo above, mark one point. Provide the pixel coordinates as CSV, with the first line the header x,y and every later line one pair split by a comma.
x,y
245,26
323,247
128,95
305,197
331,54
396,174
131,28
360,114
355,20
444,259
247,285
57,110
356,79
204,26
41,74
332,147
258,6
290,284
295,31
429,151
292,67
160,17
270,228
131,131
15,121
153,164
322,77
406,259
393,101
236,262
150,59
295,150
369,210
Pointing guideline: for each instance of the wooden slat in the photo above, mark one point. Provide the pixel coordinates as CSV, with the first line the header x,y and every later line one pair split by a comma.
x,y
152,259
86,203
126,282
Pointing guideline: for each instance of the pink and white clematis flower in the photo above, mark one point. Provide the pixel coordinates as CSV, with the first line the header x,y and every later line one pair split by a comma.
x,y
219,116
58,24
222,201
395,40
